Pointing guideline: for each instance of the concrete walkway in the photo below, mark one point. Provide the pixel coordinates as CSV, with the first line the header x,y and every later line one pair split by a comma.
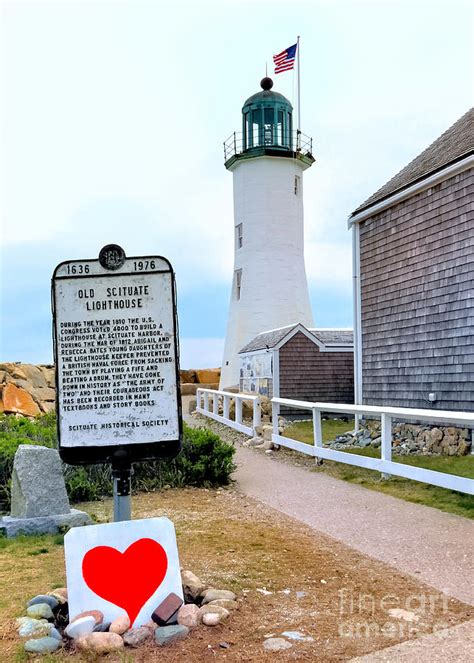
x,y
433,546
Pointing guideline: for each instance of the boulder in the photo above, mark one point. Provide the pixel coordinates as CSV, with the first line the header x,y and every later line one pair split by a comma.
x,y
38,487
17,400
210,375
188,376
120,625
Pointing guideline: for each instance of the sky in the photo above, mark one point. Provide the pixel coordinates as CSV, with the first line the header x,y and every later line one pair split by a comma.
x,y
113,121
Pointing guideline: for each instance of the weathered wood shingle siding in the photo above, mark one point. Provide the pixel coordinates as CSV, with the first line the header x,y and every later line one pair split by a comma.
x,y
417,297
310,375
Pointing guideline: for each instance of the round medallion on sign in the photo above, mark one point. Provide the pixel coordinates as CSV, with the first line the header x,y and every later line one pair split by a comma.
x,y
112,257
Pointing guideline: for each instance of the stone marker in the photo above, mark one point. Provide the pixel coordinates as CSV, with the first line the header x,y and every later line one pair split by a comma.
x,y
39,501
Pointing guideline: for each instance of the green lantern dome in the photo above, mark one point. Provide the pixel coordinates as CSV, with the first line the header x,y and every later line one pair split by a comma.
x,y
267,119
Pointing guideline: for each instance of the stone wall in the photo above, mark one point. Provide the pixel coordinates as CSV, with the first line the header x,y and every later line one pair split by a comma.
x,y
411,439
27,389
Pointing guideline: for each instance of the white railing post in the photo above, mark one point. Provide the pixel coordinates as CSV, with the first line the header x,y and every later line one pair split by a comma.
x,y
215,403
226,407
256,415
386,447
275,412
318,434
238,410
206,401
198,398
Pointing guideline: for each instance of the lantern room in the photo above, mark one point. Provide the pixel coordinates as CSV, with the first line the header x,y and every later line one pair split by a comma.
x,y
267,119
267,130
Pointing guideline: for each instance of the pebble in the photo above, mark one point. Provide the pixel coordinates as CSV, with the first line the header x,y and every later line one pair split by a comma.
x,y
39,610
188,615
97,614
120,625
407,615
135,637
42,645
82,626
216,594
225,603
297,635
166,634
44,598
100,643
276,644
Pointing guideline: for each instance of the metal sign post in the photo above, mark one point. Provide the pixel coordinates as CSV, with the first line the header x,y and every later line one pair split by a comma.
x,y
115,334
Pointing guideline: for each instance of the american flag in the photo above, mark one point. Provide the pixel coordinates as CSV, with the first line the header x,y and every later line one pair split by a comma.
x,y
285,60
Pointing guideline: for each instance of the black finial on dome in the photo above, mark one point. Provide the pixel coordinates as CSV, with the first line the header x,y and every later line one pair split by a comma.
x,y
266,83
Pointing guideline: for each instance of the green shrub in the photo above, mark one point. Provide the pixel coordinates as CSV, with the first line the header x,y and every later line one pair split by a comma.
x,y
205,461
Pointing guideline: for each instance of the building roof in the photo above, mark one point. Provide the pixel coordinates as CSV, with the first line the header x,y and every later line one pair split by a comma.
x,y
270,339
455,144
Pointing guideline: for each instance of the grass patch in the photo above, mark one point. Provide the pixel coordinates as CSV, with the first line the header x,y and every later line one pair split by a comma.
x,y
412,491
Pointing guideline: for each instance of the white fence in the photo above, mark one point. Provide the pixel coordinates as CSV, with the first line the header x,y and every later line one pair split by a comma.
x,y
203,396
383,464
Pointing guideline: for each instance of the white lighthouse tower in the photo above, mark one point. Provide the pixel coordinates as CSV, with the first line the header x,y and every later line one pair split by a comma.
x,y
269,287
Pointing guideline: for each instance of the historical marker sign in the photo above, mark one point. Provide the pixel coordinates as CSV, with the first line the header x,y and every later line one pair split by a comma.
x,y
116,353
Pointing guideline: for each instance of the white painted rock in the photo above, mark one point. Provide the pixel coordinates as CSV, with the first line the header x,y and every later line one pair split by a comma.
x,y
82,626
276,644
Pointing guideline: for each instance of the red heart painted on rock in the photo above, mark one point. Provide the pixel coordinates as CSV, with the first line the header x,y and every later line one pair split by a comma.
x,y
126,579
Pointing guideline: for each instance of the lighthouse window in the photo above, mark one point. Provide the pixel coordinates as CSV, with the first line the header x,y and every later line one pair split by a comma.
x,y
268,121
256,121
297,185
239,236
279,129
238,283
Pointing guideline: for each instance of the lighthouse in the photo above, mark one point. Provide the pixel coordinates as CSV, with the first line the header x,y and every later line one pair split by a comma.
x,y
269,286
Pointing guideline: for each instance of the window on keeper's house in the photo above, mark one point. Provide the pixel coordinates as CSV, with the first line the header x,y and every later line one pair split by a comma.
x,y
239,236
238,283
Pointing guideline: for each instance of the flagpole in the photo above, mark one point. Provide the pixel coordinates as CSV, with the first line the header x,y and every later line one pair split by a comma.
x,y
299,95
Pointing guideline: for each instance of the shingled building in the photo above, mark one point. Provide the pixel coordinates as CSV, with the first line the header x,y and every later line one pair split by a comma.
x,y
300,363
413,243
